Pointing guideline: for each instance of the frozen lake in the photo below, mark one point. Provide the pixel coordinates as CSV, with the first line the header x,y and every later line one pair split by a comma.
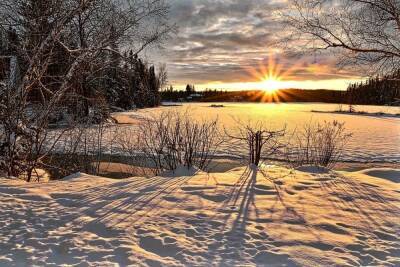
x,y
375,139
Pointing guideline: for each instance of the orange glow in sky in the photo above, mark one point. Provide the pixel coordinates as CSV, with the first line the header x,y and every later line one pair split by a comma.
x,y
270,76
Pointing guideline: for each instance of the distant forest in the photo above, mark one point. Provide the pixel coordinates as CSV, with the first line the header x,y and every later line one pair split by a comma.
x,y
284,95
375,91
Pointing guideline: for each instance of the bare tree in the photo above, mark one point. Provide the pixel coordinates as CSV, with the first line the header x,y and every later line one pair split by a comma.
x,y
364,32
261,141
25,125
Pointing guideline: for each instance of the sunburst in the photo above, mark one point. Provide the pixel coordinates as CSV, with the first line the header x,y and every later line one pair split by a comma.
x,y
271,85
271,76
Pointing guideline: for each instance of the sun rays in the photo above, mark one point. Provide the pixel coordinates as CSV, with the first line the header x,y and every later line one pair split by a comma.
x,y
274,72
271,77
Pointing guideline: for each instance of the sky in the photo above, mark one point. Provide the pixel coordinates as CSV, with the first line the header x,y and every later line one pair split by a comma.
x,y
236,45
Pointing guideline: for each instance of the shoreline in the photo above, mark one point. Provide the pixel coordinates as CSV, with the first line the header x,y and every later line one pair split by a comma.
x,y
121,170
360,113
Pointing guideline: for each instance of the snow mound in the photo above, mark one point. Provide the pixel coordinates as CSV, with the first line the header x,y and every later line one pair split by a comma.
x,y
74,176
392,175
312,169
243,217
182,170
85,178
127,117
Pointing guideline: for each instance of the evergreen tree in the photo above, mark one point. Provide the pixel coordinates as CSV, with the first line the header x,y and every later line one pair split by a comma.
x,y
377,90
189,90
36,21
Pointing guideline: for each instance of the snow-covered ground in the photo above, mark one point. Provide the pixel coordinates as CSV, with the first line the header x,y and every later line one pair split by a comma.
x,y
273,217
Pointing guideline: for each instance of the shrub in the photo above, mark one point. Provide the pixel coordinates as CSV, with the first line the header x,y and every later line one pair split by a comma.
x,y
172,139
81,148
260,141
318,144
175,138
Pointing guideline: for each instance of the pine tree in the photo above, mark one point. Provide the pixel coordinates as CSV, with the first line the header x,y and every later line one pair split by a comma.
x,y
188,90
154,87
377,90
114,88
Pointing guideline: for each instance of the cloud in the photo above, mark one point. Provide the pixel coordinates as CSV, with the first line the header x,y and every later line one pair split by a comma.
x,y
219,40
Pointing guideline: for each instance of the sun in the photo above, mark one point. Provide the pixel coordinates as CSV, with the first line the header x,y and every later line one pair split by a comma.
x,y
271,85
270,76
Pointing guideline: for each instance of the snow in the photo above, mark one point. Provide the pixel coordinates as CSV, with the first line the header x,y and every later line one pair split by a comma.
x,y
246,216
374,139
182,170
384,173
312,169
127,118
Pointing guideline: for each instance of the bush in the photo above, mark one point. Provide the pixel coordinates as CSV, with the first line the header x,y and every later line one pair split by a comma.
x,y
260,141
318,144
82,147
172,139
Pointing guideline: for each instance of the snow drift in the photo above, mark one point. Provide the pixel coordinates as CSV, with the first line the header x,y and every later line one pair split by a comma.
x,y
273,217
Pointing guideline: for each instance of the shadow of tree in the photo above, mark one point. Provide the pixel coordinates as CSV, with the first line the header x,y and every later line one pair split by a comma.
x,y
243,213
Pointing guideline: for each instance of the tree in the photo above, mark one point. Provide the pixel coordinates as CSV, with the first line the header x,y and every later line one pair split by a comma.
x,y
365,32
144,84
190,89
379,90
101,27
261,142
81,31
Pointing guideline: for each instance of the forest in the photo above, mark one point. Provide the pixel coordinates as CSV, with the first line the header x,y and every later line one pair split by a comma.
x,y
376,91
66,66
113,79
283,95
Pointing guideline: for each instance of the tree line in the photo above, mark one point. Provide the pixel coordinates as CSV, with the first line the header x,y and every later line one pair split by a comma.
x,y
283,95
376,91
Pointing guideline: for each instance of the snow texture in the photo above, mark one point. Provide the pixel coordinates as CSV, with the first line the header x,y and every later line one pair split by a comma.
x,y
273,217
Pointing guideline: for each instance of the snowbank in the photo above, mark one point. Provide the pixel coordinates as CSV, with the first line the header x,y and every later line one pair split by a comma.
x,y
312,169
384,173
273,217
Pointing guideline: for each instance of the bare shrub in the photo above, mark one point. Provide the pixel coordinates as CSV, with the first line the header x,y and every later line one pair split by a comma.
x,y
318,144
25,136
172,139
82,148
128,145
261,142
